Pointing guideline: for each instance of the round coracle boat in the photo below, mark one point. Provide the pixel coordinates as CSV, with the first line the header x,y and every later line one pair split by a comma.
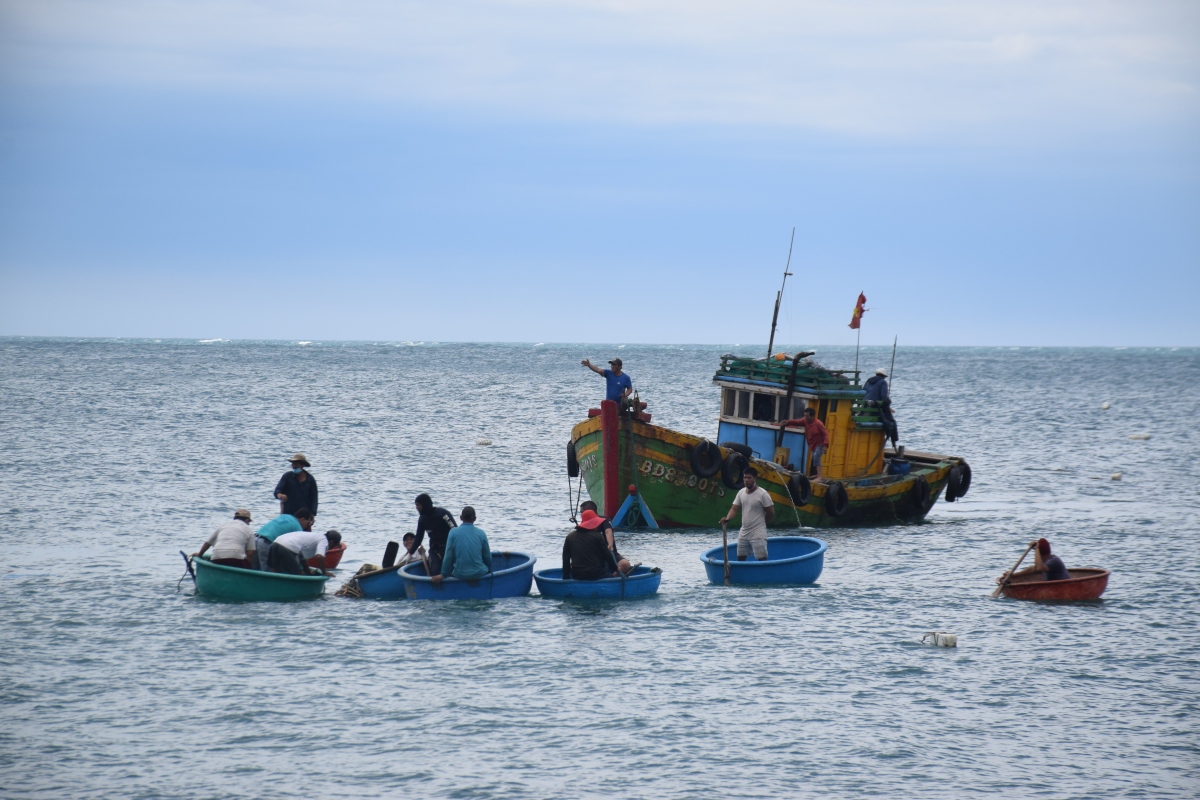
x,y
511,576
1084,584
250,585
791,561
642,582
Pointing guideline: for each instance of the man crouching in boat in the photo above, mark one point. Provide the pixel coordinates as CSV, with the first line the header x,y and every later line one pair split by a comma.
x,y
586,556
232,543
606,528
1051,566
290,553
758,509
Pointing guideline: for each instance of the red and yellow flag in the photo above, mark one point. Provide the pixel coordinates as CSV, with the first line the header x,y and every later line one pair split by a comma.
x,y
856,319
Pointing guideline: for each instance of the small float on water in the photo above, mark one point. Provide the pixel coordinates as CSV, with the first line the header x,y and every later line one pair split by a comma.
x,y
642,582
511,576
251,585
1084,584
791,561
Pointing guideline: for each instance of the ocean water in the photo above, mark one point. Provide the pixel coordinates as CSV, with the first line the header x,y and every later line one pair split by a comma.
x,y
119,682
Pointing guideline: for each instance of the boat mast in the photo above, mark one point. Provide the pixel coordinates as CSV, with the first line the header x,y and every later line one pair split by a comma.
x,y
779,296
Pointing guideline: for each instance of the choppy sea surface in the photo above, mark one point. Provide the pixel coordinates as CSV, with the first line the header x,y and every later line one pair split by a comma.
x,y
117,681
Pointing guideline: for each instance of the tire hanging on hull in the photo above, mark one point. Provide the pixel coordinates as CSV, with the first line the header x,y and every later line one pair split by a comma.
x,y
837,502
705,459
732,468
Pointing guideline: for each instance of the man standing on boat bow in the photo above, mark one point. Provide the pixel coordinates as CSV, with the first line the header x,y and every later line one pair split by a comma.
x,y
758,509
619,385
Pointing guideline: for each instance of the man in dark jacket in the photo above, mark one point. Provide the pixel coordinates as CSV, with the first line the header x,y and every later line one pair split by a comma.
x,y
876,395
297,489
437,522
586,556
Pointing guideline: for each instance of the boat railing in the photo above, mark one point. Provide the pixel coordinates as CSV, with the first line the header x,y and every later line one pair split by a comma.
x,y
780,372
865,416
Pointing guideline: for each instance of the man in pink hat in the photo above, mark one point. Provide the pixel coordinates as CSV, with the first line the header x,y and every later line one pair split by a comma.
x,y
586,556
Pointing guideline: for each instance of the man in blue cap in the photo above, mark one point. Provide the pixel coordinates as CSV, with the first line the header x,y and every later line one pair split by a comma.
x,y
619,385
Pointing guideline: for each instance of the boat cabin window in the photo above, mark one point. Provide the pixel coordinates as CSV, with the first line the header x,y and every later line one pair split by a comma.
x,y
743,410
729,402
798,406
764,407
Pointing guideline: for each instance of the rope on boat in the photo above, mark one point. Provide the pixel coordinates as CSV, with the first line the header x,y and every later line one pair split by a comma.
x,y
576,497
351,588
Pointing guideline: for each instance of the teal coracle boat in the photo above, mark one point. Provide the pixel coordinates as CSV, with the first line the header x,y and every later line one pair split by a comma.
x,y
250,585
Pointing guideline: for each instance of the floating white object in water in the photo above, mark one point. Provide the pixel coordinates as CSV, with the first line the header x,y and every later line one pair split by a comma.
x,y
940,639
1104,406
1116,476
483,442
1140,437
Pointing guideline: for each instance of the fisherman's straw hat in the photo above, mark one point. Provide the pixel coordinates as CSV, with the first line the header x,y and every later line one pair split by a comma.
x,y
881,371
243,513
300,458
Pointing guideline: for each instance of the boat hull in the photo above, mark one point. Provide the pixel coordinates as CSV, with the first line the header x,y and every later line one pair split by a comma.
x,y
643,582
511,576
250,585
383,584
659,464
791,561
1084,584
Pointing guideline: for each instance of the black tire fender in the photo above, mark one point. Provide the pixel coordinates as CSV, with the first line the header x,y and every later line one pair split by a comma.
x,y
572,461
732,468
799,488
837,502
953,485
920,492
705,459
738,448
965,485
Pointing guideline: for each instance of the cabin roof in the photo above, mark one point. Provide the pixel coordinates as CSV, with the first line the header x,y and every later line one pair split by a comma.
x,y
810,376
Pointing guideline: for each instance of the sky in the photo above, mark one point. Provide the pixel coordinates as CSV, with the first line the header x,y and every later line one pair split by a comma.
x,y
987,173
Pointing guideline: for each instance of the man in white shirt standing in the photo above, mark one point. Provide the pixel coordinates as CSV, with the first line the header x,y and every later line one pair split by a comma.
x,y
757,509
232,543
290,553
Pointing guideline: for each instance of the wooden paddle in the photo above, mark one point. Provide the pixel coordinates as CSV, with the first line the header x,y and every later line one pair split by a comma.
x,y
725,548
1005,582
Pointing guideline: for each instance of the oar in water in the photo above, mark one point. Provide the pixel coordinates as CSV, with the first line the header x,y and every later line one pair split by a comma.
x,y
1007,580
725,548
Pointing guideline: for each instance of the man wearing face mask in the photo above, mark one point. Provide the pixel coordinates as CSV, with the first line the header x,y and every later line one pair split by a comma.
x,y
297,489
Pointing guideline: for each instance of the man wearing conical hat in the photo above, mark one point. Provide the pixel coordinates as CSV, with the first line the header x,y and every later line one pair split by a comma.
x,y
297,489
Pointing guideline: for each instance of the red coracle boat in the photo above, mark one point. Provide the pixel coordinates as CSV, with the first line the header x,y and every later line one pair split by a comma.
x,y
333,557
1084,584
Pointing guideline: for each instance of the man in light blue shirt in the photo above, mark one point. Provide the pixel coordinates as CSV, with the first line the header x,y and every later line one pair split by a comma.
x,y
468,554
284,523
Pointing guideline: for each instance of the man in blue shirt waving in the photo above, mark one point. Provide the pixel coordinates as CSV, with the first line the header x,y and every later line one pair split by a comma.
x,y
619,385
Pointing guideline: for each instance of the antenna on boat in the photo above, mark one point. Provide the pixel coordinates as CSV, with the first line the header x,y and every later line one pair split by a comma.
x,y
779,296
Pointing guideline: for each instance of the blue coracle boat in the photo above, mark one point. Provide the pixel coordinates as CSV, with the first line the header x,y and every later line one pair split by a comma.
x,y
383,584
511,576
642,582
791,561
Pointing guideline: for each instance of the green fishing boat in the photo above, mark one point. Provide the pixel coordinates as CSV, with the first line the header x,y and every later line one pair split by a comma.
x,y
665,478
234,583
646,475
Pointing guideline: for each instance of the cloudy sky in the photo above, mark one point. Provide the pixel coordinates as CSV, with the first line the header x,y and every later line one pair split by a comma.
x,y
986,172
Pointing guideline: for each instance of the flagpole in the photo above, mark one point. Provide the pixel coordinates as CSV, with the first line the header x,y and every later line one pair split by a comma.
x,y
856,346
